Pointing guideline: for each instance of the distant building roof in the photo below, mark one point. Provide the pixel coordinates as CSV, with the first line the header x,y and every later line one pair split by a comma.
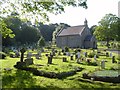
x,y
75,30
88,38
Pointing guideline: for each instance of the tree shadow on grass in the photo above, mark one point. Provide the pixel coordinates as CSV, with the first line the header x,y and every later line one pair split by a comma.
x,y
19,79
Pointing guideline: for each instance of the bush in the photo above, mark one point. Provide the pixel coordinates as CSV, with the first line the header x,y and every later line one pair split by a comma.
x,y
66,49
48,47
91,55
3,55
93,63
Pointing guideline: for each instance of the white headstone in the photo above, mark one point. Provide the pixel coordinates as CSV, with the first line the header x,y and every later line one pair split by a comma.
x,y
67,53
78,54
95,58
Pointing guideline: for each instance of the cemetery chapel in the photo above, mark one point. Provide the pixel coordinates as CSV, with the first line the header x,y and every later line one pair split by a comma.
x,y
76,37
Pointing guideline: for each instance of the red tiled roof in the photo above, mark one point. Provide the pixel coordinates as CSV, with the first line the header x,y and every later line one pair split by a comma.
x,y
75,30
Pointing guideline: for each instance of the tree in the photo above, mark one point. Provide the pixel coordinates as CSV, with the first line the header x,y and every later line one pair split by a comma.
x,y
106,30
58,28
33,9
23,30
37,10
4,30
46,30
92,29
41,42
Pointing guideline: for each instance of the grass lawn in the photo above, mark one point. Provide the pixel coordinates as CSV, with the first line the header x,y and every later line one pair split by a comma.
x,y
24,79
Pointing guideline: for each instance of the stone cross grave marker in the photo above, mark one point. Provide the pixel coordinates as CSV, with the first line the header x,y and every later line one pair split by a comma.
x,y
22,54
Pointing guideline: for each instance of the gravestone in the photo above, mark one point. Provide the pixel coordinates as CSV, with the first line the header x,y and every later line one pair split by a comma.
x,y
110,54
22,54
85,54
37,56
51,55
113,59
39,53
17,54
103,64
95,58
59,53
78,54
42,50
50,60
64,59
71,57
29,55
67,54
29,61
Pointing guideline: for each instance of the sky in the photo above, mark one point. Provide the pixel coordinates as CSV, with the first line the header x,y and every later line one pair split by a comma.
x,y
96,11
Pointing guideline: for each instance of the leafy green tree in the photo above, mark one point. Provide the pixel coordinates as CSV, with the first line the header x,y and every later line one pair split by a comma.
x,y
46,30
4,30
41,42
38,10
58,28
29,34
34,9
92,28
106,29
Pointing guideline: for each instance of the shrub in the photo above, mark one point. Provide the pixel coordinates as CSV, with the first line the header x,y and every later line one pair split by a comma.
x,y
66,49
3,55
48,47
91,55
93,63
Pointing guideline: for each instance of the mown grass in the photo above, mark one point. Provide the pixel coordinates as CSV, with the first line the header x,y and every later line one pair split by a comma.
x,y
24,79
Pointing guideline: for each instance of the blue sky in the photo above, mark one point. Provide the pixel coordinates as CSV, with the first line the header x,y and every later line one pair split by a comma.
x,y
96,10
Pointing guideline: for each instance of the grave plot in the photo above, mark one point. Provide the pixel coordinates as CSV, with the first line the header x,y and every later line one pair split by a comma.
x,y
54,68
112,76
